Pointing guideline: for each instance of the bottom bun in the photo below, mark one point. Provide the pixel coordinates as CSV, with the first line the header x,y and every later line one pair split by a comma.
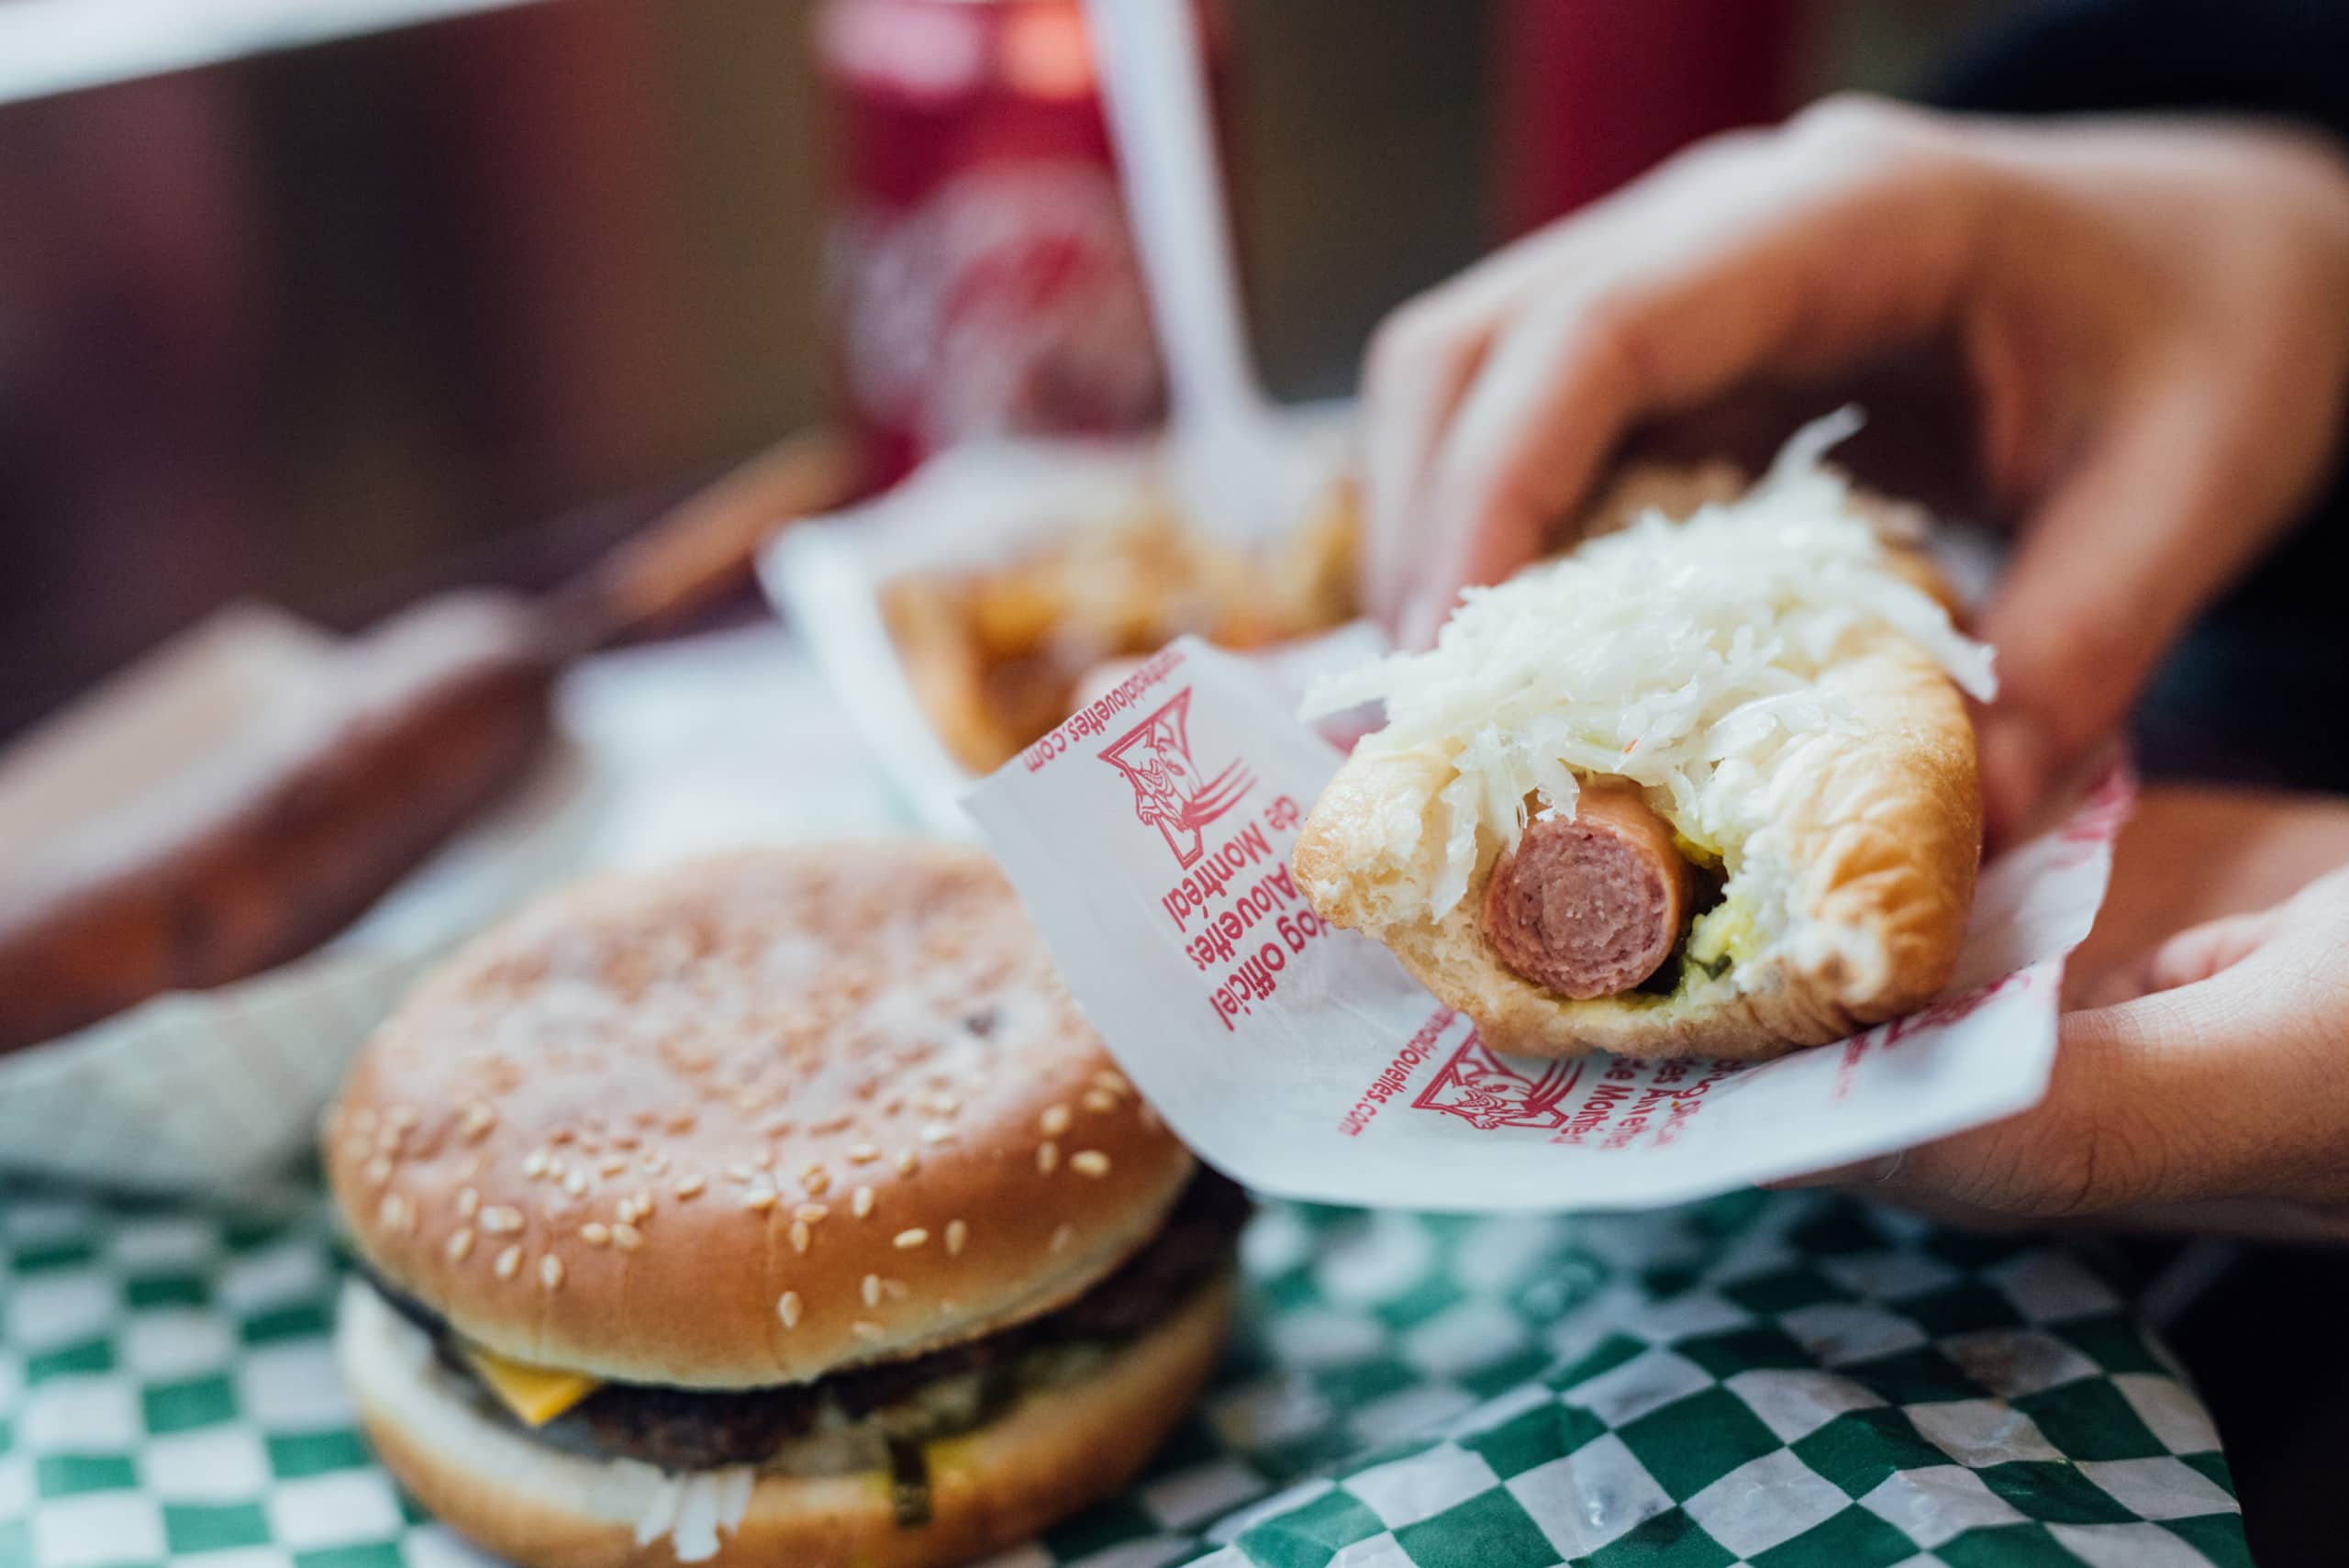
x,y
1052,1453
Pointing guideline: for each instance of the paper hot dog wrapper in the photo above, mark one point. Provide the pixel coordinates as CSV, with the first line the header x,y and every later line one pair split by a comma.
x,y
1150,838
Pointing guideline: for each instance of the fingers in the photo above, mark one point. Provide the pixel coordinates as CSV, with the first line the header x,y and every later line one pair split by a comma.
x,y
2197,954
1492,406
1420,363
2111,567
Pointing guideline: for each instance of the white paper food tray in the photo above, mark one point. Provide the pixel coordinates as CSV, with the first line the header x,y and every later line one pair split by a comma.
x,y
972,506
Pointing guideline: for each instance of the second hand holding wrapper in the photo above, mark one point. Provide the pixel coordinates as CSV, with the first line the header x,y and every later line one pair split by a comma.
x,y
1154,836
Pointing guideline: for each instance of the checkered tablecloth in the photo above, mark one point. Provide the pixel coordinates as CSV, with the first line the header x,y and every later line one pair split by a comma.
x,y
1783,1381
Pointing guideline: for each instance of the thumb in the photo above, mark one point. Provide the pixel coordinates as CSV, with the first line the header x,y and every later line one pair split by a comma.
x,y
2191,956
2131,542
2218,1088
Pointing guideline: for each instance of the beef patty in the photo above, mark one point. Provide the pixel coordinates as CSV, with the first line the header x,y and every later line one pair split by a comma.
x,y
700,1428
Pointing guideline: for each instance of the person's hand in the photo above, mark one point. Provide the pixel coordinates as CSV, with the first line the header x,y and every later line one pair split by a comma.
x,y
2205,1091
2152,314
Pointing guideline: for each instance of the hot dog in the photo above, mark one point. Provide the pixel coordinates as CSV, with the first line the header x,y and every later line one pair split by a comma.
x,y
409,732
1767,682
1590,905
253,856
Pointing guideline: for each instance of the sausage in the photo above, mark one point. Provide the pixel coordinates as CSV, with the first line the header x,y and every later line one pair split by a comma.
x,y
1592,905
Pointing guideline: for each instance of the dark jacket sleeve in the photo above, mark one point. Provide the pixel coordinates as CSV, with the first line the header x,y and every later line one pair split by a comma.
x,y
2288,59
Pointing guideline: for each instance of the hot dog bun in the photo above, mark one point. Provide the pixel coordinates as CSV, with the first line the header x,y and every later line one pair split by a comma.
x,y
1848,837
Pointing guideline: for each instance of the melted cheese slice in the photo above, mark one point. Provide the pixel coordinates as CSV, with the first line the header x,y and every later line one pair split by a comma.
x,y
536,1394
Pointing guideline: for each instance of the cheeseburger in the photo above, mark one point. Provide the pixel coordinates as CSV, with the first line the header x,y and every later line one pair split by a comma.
x,y
778,1208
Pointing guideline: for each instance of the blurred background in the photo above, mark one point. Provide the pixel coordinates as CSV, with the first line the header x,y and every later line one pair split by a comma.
x,y
332,302
329,301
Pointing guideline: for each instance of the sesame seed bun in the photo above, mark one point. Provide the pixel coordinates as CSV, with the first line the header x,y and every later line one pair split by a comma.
x,y
1055,1451
748,1121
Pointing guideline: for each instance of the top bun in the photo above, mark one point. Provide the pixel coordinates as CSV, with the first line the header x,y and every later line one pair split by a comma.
x,y
747,1121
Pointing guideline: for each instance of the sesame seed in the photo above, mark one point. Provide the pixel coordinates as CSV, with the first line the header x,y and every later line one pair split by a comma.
x,y
575,1183
479,1120
1048,1157
872,1290
499,1220
813,1212
865,1330
763,1159
509,1263
556,1168
401,1116
643,1205
1054,1121
559,1136
379,1171
956,1234
937,1132
1149,1116
654,1161
1060,1236
944,1105
788,1309
759,1199
551,1271
908,1161
461,1243
688,1185
907,1241
1112,1082
894,1289
535,1164
817,1181
800,1236
627,1238
468,1202
861,1203
394,1212
612,1165
738,1171
1089,1162
1100,1101
863,1154
594,1233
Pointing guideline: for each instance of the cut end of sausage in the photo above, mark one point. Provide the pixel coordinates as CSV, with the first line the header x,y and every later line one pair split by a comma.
x,y
1592,906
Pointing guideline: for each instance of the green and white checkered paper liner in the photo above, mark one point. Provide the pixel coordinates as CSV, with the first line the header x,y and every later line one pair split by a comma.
x,y
1784,1382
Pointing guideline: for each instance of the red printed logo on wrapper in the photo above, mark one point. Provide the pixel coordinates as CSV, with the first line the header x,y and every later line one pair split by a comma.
x,y
1171,792
1484,1091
